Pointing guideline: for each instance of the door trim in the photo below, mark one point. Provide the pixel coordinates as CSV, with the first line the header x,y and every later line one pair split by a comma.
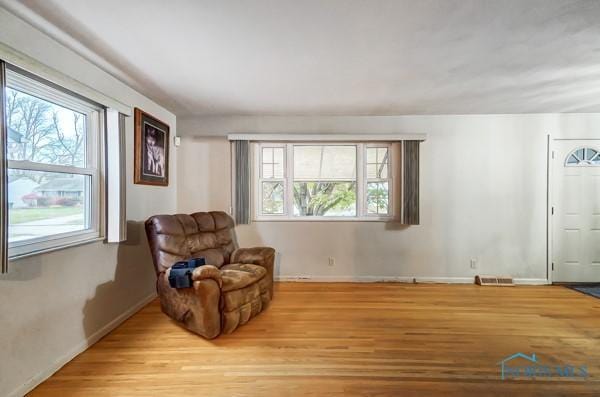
x,y
549,223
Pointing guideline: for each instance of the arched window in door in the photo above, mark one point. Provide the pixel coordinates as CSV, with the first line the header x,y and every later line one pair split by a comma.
x,y
583,157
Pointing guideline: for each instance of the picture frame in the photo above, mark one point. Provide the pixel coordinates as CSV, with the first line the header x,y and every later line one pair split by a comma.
x,y
151,159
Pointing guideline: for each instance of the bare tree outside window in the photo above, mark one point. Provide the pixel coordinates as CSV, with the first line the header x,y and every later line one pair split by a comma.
x,y
44,132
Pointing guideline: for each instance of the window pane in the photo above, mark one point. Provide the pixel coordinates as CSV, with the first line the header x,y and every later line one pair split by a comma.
x,y
379,171
278,162
325,162
267,155
377,197
272,162
44,132
278,170
46,203
325,199
382,155
372,170
377,163
267,171
272,198
572,159
382,171
372,155
278,155
590,153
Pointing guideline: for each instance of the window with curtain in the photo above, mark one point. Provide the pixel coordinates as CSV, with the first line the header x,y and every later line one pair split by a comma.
x,y
54,152
323,181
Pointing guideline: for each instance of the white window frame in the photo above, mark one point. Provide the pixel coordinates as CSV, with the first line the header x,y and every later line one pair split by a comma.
x,y
95,126
288,182
262,179
389,180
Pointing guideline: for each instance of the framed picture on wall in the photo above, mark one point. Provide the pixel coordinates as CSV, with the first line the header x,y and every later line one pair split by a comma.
x,y
151,160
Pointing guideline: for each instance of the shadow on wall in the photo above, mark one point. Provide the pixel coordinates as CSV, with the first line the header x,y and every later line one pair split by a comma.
x,y
134,280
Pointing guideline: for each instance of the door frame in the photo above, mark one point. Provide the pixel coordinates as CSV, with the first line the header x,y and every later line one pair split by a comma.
x,y
550,181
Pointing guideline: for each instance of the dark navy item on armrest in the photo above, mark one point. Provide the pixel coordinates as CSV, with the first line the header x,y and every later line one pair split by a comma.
x,y
180,275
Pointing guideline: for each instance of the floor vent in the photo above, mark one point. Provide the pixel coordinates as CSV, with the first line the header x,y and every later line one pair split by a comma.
x,y
500,281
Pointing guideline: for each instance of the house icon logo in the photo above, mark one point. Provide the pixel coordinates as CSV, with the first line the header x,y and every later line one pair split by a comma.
x,y
530,367
504,363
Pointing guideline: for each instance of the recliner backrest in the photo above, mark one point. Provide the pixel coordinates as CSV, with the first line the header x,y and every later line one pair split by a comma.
x,y
202,234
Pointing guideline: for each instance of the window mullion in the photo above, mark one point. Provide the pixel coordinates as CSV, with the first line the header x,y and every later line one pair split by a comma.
x,y
361,190
289,181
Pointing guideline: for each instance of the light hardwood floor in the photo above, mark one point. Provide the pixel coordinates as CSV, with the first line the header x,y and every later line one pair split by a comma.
x,y
321,339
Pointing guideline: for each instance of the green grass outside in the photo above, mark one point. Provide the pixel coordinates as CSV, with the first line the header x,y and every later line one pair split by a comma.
x,y
22,215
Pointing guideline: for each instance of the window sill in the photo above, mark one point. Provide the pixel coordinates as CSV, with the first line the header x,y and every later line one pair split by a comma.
x,y
328,219
56,248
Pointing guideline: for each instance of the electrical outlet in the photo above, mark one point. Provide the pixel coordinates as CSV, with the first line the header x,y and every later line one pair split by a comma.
x,y
473,263
331,261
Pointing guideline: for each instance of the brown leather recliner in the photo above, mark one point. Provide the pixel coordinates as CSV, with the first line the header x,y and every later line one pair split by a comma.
x,y
234,285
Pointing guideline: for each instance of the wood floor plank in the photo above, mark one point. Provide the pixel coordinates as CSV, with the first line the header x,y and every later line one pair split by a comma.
x,y
328,339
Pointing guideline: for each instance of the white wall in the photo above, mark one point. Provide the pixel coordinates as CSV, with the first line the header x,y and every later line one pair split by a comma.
x,y
483,195
52,304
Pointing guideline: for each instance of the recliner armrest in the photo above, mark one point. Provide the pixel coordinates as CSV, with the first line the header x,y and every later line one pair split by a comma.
x,y
207,272
197,307
261,256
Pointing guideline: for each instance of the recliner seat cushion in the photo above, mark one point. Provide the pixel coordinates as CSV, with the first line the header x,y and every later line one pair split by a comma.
x,y
240,275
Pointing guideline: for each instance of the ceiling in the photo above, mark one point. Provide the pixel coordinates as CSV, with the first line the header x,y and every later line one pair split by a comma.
x,y
339,57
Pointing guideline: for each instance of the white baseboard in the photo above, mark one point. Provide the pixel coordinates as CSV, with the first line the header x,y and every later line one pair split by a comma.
x,y
446,280
80,348
531,281
344,279
399,279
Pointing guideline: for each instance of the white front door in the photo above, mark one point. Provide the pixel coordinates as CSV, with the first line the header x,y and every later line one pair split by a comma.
x,y
576,219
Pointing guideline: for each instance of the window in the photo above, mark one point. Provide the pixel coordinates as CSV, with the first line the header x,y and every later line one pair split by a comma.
x,y
54,158
583,157
378,180
272,183
303,181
